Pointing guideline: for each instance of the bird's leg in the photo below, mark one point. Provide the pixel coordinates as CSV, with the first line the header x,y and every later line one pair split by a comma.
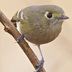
x,y
41,62
20,38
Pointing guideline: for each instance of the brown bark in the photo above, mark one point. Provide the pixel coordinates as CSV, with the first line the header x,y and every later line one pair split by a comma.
x,y
10,28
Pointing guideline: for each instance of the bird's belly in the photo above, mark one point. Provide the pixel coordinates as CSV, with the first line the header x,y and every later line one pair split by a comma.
x,y
39,35
43,37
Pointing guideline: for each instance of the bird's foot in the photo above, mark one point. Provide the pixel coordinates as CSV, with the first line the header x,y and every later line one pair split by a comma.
x,y
40,65
20,38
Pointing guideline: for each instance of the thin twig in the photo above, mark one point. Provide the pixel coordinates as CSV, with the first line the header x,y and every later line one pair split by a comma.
x,y
10,28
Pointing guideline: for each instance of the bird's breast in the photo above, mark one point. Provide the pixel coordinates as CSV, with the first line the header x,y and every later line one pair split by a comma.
x,y
41,35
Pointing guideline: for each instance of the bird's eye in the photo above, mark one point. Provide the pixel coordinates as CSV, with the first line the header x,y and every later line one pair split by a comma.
x,y
49,15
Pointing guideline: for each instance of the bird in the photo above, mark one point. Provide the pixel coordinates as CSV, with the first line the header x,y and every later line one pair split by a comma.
x,y
39,24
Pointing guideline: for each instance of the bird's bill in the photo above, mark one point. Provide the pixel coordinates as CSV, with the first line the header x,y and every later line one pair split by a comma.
x,y
64,17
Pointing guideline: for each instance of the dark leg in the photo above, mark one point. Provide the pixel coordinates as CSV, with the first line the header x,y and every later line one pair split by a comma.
x,y
20,38
41,62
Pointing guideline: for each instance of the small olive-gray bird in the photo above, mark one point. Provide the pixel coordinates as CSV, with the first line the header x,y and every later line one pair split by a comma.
x,y
39,24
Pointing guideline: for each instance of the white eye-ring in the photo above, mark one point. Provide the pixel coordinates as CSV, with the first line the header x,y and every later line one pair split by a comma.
x,y
48,15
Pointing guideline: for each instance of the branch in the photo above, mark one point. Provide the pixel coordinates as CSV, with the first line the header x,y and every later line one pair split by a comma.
x,y
10,28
